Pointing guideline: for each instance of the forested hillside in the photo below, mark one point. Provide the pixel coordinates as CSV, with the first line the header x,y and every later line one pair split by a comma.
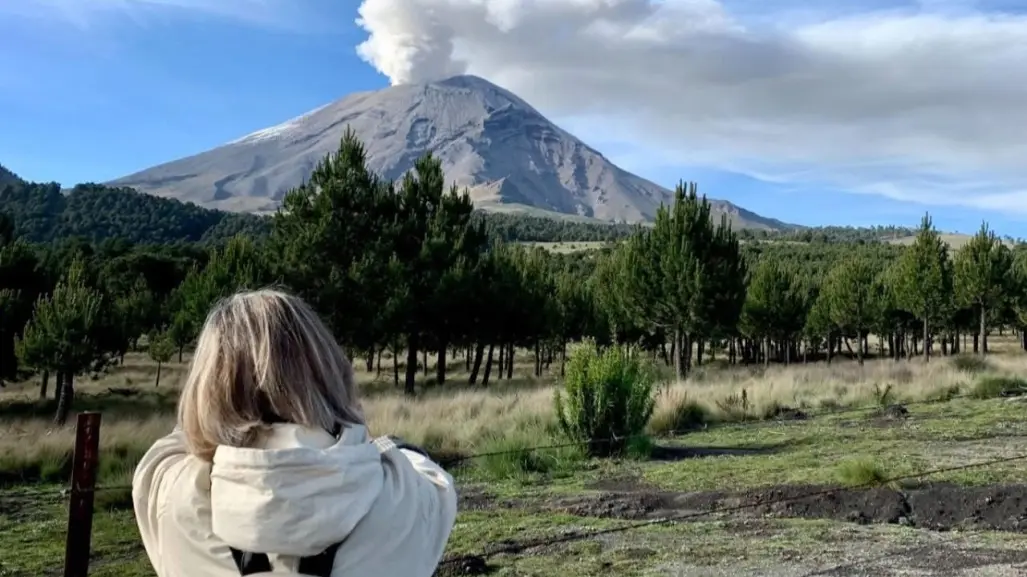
x,y
42,213
410,267
7,177
832,234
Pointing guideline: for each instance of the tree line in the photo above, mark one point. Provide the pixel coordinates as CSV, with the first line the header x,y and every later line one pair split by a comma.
x,y
43,213
410,268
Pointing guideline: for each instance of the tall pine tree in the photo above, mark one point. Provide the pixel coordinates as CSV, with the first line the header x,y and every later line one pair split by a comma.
x,y
982,277
924,283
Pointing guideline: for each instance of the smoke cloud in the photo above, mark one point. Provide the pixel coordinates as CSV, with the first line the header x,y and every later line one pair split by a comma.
x,y
927,105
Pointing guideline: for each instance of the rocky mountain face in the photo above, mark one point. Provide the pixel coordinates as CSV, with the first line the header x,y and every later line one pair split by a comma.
x,y
489,140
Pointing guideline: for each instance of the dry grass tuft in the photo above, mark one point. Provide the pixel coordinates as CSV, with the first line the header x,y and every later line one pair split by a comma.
x,y
456,420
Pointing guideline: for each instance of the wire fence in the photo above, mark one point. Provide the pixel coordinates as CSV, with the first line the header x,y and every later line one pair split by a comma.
x,y
746,422
83,487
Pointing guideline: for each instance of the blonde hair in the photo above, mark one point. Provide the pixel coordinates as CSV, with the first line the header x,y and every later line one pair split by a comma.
x,y
264,356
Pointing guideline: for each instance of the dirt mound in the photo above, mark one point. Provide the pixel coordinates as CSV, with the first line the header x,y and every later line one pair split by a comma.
x,y
942,507
937,507
641,505
877,505
473,499
469,565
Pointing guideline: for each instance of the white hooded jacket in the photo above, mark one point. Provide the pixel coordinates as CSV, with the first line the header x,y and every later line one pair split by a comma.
x,y
293,497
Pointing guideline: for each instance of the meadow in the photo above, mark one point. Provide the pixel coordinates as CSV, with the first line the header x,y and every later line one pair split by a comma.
x,y
799,429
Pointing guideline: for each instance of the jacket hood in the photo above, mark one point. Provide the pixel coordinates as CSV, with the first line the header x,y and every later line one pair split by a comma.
x,y
300,492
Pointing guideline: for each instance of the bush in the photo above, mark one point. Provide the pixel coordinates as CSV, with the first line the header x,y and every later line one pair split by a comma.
x,y
861,473
735,407
970,363
993,386
607,398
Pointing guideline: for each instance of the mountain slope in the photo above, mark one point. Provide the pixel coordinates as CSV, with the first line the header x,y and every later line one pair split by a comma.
x,y
489,140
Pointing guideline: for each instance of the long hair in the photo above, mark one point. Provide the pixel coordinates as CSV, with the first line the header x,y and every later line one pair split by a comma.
x,y
264,357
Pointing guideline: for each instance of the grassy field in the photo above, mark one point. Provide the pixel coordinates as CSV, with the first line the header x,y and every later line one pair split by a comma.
x,y
567,247
725,455
955,242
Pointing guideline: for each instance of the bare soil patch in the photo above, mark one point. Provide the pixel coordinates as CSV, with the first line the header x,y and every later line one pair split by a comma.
x,y
939,507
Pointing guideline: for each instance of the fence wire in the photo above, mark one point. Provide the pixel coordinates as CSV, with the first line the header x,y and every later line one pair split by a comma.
x,y
473,562
753,422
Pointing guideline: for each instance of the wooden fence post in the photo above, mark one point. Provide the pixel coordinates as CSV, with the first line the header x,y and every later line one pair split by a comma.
x,y
83,485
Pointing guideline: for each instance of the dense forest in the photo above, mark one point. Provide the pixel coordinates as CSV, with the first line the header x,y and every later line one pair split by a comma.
x,y
411,267
43,213
7,177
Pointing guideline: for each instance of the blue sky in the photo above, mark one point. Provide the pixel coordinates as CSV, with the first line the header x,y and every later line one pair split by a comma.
x,y
91,93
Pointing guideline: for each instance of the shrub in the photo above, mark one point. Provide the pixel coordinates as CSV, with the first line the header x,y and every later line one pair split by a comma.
x,y
607,397
992,386
861,473
735,407
970,363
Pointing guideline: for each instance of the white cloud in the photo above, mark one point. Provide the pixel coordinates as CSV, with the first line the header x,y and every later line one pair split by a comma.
x,y
926,104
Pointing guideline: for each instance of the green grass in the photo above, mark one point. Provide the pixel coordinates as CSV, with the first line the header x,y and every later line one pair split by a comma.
x,y
861,473
854,448
851,449
994,386
510,456
848,449
34,540
934,436
34,543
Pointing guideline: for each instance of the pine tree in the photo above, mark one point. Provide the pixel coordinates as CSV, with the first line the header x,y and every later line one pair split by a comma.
x,y
436,242
982,277
61,337
129,316
773,306
674,276
335,244
239,265
20,284
161,347
853,297
924,283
